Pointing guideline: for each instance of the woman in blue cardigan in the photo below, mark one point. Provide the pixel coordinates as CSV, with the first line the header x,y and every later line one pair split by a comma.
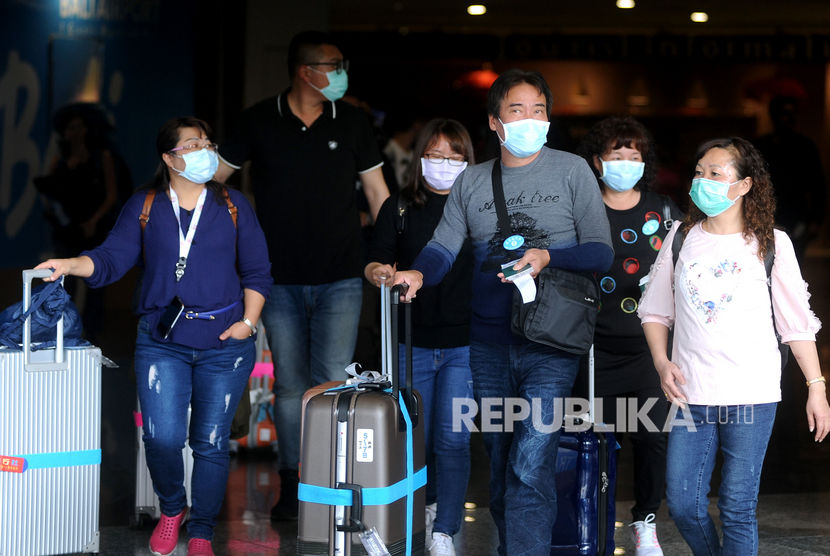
x,y
206,275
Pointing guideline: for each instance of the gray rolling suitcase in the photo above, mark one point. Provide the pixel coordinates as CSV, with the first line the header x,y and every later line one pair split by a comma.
x,y
362,473
50,445
147,504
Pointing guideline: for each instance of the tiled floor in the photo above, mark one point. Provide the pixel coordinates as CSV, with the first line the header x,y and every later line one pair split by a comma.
x,y
794,508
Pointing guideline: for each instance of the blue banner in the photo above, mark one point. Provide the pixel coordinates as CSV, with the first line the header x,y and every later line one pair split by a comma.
x,y
133,59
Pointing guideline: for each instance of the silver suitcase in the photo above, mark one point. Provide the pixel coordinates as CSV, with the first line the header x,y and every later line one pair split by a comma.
x,y
146,501
50,445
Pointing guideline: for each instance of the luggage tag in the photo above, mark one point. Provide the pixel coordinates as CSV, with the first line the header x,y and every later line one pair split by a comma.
x,y
372,543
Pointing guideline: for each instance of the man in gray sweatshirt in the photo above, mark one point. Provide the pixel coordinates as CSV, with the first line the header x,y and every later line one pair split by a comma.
x,y
557,219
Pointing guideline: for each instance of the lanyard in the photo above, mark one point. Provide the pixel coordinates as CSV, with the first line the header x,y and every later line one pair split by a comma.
x,y
186,241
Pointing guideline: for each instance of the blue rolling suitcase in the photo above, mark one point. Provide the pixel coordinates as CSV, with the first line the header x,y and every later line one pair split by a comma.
x,y
586,472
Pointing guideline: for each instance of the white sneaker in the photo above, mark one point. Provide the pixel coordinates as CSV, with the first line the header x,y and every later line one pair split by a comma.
x,y
441,545
644,536
429,519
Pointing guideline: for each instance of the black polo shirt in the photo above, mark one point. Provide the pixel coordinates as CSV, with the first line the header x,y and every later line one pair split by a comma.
x,y
304,186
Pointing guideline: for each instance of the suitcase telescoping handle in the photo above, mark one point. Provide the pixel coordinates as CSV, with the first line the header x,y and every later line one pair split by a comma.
x,y
390,339
59,362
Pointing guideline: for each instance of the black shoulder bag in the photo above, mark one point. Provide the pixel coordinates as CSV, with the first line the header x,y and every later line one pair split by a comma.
x,y
564,313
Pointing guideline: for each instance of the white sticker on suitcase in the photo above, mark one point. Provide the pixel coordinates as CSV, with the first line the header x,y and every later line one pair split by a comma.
x,y
365,452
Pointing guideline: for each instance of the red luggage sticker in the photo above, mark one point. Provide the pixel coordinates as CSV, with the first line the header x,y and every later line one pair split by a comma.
x,y
12,465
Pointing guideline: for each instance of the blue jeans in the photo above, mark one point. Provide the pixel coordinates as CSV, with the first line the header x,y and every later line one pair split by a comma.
x,y
441,375
312,332
523,463
741,433
171,377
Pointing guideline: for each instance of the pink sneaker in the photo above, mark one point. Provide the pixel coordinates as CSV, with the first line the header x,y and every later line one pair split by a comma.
x,y
166,534
199,547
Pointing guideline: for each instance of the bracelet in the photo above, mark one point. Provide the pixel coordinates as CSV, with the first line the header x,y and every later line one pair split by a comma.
x,y
817,379
250,325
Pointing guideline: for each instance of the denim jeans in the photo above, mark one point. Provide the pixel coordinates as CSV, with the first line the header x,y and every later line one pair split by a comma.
x,y
523,463
741,433
312,332
441,375
171,377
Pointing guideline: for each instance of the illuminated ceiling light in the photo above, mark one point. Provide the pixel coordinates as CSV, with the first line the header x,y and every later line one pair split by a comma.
x,y
699,17
625,4
476,9
619,550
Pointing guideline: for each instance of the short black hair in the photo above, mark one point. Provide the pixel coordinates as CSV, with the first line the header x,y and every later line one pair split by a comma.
x,y
613,133
302,47
509,79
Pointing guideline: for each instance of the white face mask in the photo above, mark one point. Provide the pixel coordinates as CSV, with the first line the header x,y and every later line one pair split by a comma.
x,y
199,166
622,175
442,175
524,138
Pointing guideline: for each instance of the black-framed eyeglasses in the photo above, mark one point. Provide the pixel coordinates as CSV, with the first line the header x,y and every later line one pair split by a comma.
x,y
339,67
438,159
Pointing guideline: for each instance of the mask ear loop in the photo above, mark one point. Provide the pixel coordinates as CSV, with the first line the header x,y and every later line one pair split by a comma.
x,y
503,141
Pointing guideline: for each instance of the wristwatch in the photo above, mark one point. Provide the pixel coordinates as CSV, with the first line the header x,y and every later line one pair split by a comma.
x,y
250,325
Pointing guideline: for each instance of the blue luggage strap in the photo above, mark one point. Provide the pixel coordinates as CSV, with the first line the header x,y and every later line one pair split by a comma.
x,y
377,496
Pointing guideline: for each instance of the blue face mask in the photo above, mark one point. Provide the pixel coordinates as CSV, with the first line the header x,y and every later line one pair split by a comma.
x,y
710,195
338,83
524,138
621,175
199,166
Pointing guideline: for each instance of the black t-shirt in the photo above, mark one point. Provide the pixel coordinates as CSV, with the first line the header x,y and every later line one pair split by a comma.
x,y
637,234
441,313
622,359
304,186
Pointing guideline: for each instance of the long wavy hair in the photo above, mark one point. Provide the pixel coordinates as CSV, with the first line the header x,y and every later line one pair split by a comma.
x,y
457,136
166,140
758,203
614,133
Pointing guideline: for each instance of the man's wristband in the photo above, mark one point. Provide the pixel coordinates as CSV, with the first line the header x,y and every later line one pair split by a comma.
x,y
250,325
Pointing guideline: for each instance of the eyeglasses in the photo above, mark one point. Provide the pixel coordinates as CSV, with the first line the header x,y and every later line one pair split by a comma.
x,y
339,67
456,160
196,146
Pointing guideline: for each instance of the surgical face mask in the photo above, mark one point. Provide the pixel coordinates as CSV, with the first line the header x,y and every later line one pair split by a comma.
x,y
710,195
338,83
199,166
524,138
621,175
442,175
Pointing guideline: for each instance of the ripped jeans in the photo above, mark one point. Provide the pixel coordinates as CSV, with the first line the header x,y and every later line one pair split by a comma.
x,y
170,377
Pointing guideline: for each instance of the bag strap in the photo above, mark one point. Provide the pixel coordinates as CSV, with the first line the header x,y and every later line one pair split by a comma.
x,y
667,219
231,207
144,217
400,221
498,200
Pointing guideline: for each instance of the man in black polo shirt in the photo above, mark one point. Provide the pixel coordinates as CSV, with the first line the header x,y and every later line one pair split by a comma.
x,y
306,149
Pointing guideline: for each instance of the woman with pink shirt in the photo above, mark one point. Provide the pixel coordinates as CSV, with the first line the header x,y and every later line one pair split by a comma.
x,y
724,374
